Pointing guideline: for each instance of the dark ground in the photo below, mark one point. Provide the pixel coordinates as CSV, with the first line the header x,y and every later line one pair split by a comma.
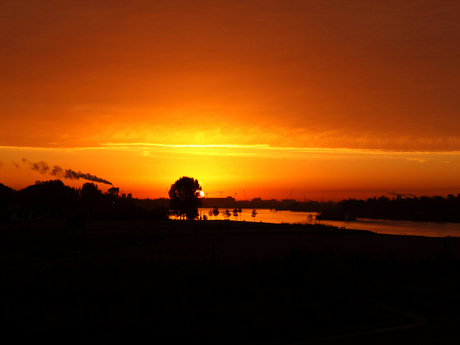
x,y
227,283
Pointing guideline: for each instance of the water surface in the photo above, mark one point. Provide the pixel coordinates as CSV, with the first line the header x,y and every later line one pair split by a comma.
x,y
381,226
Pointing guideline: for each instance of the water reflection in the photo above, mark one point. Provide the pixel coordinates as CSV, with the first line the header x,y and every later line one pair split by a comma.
x,y
381,226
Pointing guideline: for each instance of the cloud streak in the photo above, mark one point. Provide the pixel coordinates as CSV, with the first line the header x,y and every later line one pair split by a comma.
x,y
44,169
267,151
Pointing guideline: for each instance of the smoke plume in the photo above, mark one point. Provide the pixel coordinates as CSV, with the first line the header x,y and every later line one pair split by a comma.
x,y
407,195
43,168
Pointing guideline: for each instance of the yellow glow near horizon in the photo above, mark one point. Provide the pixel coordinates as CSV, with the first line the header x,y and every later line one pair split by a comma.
x,y
258,96
267,172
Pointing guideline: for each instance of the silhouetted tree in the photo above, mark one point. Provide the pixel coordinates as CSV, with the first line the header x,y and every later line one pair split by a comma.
x,y
185,197
215,211
6,197
49,198
254,214
227,213
90,195
235,213
90,190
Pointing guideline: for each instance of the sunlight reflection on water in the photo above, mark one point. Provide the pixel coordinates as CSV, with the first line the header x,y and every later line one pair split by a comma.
x,y
381,226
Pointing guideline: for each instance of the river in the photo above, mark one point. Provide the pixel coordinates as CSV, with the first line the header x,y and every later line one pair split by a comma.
x,y
381,226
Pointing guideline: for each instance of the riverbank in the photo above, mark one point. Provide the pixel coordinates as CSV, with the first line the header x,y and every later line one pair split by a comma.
x,y
227,282
380,226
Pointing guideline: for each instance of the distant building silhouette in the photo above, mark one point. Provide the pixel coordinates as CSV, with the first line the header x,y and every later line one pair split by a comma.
x,y
219,202
114,191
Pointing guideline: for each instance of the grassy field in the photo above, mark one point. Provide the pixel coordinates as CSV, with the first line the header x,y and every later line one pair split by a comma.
x,y
228,283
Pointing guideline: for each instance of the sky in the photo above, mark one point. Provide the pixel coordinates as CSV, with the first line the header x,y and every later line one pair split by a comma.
x,y
313,99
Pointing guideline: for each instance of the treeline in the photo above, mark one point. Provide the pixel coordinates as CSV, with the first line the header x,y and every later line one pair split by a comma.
x,y
306,206
257,203
54,200
279,205
425,208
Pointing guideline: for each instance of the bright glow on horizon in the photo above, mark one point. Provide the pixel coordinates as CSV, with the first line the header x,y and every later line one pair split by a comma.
x,y
335,100
261,172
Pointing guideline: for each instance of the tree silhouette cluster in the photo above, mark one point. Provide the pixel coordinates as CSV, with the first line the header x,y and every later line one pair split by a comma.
x,y
54,200
6,199
428,209
286,205
185,197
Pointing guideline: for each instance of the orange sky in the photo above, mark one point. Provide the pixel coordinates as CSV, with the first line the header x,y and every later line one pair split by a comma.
x,y
335,99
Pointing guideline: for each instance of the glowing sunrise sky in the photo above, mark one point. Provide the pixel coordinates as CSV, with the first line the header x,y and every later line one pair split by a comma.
x,y
335,99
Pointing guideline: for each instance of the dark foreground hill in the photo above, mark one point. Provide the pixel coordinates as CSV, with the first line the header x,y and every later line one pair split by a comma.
x,y
227,283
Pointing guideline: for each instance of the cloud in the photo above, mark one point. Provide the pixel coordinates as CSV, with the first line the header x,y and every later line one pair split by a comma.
x,y
416,160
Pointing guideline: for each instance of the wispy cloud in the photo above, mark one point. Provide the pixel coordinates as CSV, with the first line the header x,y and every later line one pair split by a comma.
x,y
126,145
167,150
416,160
275,152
